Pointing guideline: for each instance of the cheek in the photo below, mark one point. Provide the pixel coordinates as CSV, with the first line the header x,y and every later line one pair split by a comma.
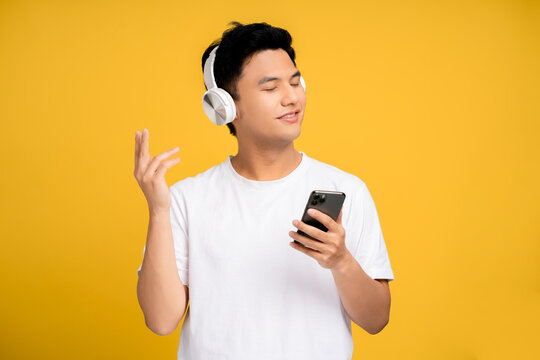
x,y
261,106
303,98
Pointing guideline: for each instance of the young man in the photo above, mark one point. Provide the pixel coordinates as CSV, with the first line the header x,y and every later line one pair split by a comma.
x,y
224,238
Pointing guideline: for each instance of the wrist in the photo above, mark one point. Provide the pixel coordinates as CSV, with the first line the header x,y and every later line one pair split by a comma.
x,y
345,264
159,212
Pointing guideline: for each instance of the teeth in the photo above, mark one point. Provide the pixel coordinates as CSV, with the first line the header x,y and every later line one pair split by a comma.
x,y
290,115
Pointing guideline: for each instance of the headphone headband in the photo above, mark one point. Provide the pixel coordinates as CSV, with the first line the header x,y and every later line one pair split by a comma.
x,y
209,79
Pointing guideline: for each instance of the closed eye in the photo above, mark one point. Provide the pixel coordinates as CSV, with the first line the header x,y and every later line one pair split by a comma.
x,y
272,89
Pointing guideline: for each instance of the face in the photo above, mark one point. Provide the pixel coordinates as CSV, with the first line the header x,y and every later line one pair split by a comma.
x,y
268,88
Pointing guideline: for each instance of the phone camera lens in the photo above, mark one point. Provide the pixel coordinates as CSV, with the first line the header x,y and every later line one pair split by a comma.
x,y
322,198
316,196
313,202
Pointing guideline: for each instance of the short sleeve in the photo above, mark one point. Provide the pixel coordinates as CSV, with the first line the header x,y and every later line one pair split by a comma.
x,y
179,233
369,245
140,266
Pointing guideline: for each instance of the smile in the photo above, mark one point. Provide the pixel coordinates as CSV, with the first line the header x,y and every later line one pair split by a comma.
x,y
290,117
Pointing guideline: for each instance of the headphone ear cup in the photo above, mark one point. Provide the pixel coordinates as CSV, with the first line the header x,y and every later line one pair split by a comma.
x,y
219,106
303,82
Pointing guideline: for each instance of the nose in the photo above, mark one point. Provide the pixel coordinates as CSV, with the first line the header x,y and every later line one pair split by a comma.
x,y
290,95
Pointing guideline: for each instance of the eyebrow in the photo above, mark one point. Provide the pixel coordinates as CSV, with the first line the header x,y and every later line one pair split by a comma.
x,y
268,78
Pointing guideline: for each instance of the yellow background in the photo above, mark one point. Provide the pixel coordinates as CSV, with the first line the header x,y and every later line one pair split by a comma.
x,y
435,105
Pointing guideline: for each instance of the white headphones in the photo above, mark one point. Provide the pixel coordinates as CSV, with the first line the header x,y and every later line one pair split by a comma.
x,y
218,104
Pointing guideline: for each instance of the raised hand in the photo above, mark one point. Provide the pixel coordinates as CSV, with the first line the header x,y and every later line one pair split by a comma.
x,y
150,173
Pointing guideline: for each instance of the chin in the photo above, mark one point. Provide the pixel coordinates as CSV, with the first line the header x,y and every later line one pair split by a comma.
x,y
293,134
286,132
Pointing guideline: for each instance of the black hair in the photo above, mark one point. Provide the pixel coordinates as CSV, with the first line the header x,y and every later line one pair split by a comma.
x,y
237,45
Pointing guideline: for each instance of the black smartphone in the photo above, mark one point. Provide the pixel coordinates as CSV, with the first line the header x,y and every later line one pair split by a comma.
x,y
328,202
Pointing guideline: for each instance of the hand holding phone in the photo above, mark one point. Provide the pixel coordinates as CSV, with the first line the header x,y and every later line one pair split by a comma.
x,y
326,201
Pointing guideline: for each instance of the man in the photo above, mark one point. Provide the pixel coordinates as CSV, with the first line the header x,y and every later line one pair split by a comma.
x,y
224,238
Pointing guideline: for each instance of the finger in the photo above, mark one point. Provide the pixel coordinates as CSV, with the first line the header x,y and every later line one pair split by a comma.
x,y
339,217
311,230
323,219
152,167
312,253
306,241
137,146
144,144
164,166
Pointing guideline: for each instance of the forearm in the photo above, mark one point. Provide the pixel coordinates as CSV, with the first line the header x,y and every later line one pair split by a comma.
x,y
159,289
366,301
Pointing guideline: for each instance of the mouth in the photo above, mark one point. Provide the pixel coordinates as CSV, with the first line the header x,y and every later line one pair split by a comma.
x,y
290,116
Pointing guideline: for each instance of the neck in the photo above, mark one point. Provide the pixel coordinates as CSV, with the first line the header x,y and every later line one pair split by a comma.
x,y
265,164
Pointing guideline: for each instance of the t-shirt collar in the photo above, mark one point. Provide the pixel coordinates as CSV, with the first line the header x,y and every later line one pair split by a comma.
x,y
265,184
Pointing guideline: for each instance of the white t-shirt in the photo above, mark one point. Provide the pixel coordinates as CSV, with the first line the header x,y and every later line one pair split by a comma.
x,y
253,296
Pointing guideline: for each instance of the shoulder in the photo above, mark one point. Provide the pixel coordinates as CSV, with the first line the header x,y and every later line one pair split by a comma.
x,y
199,181
346,180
